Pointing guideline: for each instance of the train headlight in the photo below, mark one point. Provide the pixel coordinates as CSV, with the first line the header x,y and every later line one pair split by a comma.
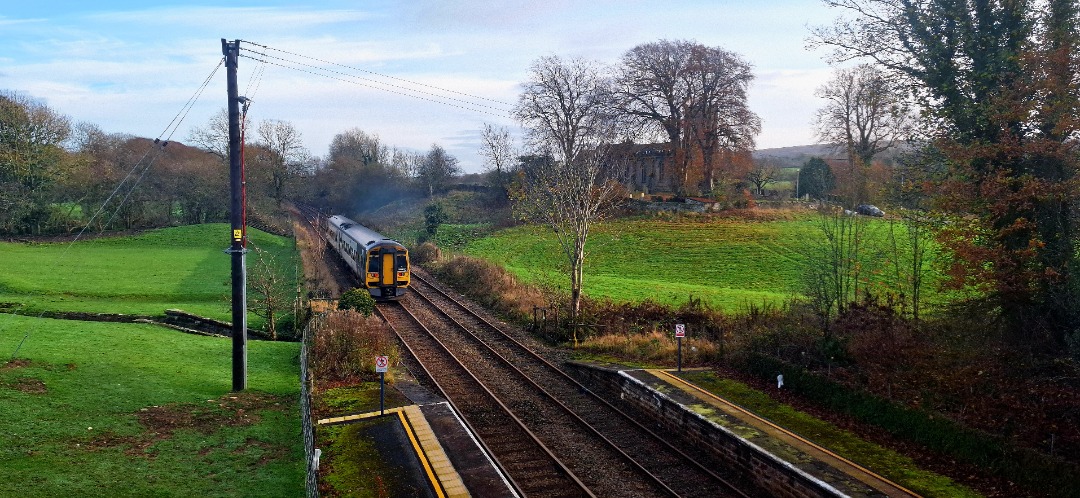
x,y
372,276
400,274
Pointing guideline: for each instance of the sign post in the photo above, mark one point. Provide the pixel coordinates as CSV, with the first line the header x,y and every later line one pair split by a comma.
x,y
680,332
381,365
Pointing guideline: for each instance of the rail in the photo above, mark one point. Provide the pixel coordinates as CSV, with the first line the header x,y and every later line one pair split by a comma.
x,y
685,459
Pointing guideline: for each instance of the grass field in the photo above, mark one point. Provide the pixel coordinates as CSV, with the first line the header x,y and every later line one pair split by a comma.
x,y
727,262
100,409
181,267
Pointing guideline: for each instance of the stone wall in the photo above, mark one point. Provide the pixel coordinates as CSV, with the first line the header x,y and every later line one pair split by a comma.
x,y
776,476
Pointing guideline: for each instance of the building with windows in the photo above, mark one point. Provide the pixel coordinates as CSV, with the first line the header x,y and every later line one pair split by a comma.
x,y
643,167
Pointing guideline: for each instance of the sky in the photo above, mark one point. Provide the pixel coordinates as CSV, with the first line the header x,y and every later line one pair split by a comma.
x,y
416,73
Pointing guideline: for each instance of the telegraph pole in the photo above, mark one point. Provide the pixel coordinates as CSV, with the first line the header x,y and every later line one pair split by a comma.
x,y
231,51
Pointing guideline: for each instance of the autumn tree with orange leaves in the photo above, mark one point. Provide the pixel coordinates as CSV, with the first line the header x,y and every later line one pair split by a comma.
x,y
999,83
695,97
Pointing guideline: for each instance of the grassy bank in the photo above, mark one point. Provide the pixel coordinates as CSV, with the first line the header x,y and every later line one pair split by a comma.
x,y
727,262
96,409
181,267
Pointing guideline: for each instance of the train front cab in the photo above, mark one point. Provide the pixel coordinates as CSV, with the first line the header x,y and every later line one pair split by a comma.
x,y
387,274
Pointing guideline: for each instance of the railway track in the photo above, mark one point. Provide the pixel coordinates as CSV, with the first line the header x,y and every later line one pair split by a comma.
x,y
612,452
532,468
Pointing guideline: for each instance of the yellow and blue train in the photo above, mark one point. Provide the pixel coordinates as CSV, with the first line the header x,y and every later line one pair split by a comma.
x,y
381,264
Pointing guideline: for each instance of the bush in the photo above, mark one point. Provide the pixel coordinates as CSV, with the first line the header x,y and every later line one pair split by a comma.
x,y
491,286
992,453
426,253
358,300
346,344
655,347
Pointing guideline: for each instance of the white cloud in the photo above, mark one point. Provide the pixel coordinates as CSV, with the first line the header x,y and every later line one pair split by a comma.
x,y
132,71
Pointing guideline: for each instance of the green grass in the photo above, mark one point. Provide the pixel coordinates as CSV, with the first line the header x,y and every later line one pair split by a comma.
x,y
729,263
894,466
457,236
181,267
78,432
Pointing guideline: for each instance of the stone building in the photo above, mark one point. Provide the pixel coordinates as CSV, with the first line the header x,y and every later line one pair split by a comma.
x,y
643,167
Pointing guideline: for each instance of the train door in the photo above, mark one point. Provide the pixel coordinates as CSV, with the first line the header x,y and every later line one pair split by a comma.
x,y
387,268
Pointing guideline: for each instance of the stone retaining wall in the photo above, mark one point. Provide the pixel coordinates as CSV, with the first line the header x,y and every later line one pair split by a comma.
x,y
776,476
183,319
176,319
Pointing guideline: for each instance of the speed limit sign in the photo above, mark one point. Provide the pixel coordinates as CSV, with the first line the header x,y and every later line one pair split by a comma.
x,y
381,364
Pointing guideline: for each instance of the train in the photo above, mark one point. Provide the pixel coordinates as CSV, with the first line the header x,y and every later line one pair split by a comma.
x,y
381,264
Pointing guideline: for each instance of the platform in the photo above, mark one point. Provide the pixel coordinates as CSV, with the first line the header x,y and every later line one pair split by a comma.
x,y
451,459
804,456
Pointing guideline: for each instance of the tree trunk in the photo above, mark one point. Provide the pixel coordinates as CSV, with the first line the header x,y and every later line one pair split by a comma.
x,y
575,288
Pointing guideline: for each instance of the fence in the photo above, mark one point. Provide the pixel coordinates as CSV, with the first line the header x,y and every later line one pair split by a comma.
x,y
305,408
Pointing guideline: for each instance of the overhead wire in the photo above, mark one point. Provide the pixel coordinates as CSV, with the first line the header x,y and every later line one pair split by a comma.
x,y
256,77
441,102
315,70
158,144
417,83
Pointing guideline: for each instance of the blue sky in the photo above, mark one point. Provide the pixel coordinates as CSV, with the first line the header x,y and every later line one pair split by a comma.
x,y
129,66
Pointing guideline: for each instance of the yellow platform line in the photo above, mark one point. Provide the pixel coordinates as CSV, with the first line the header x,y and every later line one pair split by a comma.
x,y
358,416
433,453
420,454
861,473
440,472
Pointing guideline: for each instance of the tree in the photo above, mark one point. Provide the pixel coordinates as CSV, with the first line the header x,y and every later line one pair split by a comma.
x,y
437,169
864,115
31,161
360,173
998,83
564,110
214,137
835,267
270,290
498,151
764,173
434,215
815,179
696,97
287,155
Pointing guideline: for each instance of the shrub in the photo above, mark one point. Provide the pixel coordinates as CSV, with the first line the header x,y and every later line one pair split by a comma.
x,y
358,300
426,253
993,453
491,286
346,344
654,347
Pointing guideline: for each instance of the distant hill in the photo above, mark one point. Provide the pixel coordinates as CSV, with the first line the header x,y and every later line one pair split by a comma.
x,y
797,155
794,156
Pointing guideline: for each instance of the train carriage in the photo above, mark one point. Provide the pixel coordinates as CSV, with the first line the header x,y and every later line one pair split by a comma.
x,y
381,264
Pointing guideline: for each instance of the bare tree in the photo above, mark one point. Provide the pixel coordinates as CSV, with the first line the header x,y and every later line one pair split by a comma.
x,y
498,152
764,173
436,169
719,122
864,115
834,263
270,296
214,137
696,96
564,109
287,155
31,160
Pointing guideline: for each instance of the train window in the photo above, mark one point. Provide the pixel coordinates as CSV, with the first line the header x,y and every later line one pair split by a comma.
x,y
373,262
402,262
